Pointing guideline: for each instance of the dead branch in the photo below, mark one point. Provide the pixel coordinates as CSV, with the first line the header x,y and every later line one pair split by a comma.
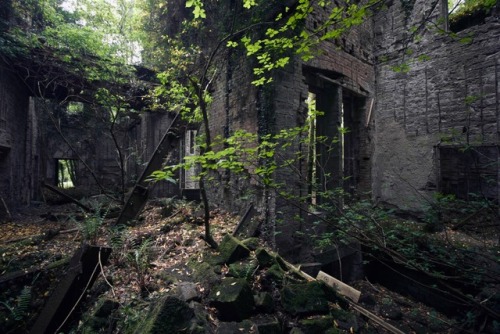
x,y
38,237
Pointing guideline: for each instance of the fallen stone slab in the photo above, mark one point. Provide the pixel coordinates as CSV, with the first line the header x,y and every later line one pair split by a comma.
x,y
169,315
231,250
233,299
187,291
304,298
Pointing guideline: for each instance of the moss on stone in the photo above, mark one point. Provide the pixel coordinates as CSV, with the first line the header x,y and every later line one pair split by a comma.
x,y
244,269
302,299
231,250
265,258
169,315
233,299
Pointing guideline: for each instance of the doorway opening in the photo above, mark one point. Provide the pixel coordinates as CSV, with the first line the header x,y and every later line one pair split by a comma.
x,y
66,173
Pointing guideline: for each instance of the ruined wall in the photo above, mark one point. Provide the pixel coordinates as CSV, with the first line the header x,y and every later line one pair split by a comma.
x,y
89,133
143,136
18,143
343,67
281,105
235,107
433,89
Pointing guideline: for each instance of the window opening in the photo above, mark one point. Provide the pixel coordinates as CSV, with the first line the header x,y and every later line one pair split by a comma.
x,y
334,118
312,155
66,173
74,108
470,173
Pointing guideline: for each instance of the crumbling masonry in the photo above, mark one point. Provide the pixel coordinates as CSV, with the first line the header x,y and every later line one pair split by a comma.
x,y
412,94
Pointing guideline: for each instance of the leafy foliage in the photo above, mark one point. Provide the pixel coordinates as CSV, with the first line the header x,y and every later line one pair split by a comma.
x,y
468,7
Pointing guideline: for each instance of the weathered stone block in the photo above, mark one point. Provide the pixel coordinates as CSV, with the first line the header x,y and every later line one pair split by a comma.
x,y
233,299
169,315
244,269
232,250
267,325
187,291
264,257
251,243
303,299
264,302
323,324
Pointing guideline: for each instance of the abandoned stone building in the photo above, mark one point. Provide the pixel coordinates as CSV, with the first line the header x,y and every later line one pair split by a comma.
x,y
412,100
413,90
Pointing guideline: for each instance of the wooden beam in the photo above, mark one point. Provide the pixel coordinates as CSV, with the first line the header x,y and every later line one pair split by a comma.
x,y
342,288
84,267
379,321
139,195
353,304
247,228
25,272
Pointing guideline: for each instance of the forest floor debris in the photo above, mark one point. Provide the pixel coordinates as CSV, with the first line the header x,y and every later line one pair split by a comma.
x,y
150,260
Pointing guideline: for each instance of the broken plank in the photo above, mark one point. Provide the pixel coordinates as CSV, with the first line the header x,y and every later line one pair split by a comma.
x,y
342,288
140,193
379,321
247,226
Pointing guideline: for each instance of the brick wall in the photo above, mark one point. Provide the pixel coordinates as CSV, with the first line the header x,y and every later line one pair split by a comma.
x,y
281,105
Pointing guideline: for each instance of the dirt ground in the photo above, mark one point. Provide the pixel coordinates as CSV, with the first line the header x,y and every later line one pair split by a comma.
x,y
35,246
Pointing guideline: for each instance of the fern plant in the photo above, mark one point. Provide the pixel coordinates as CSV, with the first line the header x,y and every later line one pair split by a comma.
x,y
20,309
140,259
92,223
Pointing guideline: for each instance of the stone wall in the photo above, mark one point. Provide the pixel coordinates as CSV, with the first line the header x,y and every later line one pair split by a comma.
x,y
91,141
433,89
18,143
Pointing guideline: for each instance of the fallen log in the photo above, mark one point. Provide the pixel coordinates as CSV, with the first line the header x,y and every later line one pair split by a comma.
x,y
33,270
38,237
69,198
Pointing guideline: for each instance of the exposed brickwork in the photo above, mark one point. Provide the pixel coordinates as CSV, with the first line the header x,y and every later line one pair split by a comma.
x,y
281,105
